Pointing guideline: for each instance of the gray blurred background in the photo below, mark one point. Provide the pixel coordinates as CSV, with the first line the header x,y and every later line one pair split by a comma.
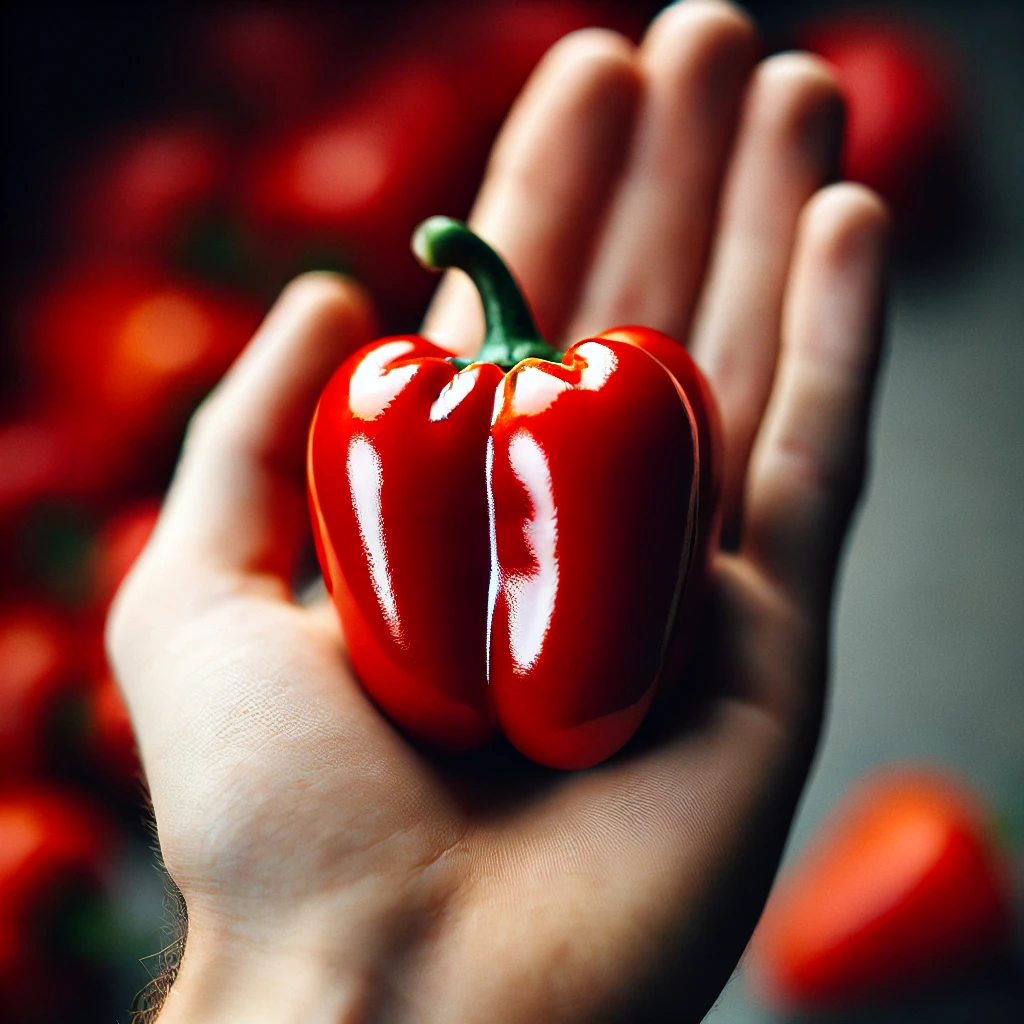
x,y
929,646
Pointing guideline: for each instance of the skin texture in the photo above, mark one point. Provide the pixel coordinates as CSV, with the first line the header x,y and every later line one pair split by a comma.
x,y
333,872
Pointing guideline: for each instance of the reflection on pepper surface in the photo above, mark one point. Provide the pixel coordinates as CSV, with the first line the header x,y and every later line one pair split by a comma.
x,y
592,487
365,479
514,548
531,592
402,528
506,547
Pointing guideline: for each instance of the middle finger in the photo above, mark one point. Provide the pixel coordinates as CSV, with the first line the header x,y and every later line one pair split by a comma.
x,y
547,183
649,263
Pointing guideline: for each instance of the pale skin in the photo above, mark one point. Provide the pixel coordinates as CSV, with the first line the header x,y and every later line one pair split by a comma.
x,y
335,872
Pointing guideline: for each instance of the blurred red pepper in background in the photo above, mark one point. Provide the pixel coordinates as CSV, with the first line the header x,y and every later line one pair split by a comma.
x,y
260,64
903,886
117,545
56,456
352,184
61,713
109,741
132,348
346,189
40,677
54,846
141,191
902,93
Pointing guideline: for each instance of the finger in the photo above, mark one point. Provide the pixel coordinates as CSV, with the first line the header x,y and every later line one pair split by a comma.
x,y
547,183
650,258
787,148
807,466
237,503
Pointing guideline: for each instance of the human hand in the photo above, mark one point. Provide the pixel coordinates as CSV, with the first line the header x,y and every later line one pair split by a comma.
x,y
331,870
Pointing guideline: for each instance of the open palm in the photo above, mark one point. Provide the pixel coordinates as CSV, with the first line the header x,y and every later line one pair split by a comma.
x,y
334,871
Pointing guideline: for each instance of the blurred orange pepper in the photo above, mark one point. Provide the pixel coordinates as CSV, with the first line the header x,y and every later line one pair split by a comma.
x,y
902,887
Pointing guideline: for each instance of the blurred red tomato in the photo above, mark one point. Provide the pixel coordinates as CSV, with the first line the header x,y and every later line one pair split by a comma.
x,y
53,845
902,887
117,545
133,348
141,192
901,96
39,677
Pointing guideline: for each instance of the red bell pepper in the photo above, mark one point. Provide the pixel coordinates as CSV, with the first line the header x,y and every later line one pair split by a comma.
x,y
512,540
903,888
46,469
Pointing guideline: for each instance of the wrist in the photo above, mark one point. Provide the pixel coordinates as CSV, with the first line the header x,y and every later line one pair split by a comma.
x,y
296,975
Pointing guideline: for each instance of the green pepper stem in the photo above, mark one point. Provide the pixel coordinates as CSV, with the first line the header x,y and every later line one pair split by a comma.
x,y
511,334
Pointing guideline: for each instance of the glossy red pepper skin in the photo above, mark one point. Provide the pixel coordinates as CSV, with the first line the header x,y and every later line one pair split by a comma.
x,y
593,487
513,549
382,472
708,426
